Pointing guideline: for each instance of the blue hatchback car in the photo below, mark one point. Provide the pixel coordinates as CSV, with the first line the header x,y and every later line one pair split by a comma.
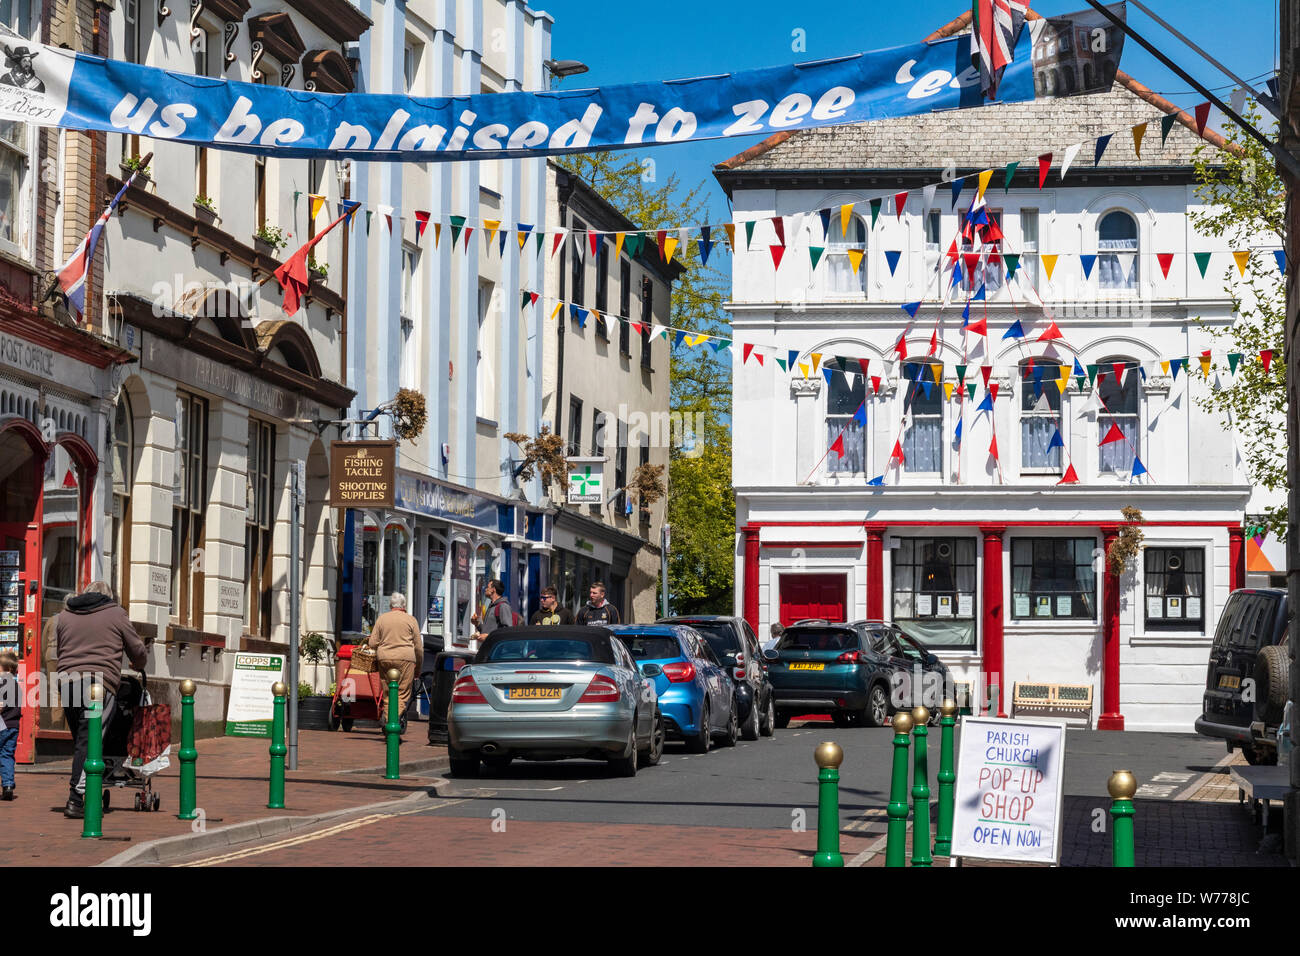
x,y
696,695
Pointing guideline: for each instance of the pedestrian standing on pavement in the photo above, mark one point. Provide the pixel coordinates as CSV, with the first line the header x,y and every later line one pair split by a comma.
x,y
551,613
11,712
91,635
398,643
598,611
499,613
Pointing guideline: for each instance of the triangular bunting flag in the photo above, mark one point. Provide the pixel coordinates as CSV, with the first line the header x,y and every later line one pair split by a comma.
x,y
1012,259
1138,468
979,327
749,234
855,258
1113,435
1242,258
314,204
927,194
706,244
778,224
1233,359
815,254
837,446
1011,174
875,211
1266,356
777,253
993,448
1049,263
1052,333
892,257
825,215
983,183
1056,441
846,211
1202,260
1202,117
1102,143
911,307
1070,477
1166,260
1279,255
1015,332
956,189
1070,153
900,200
897,453
816,360
1139,131
421,221
1044,164
1166,124
947,391
522,231
1086,262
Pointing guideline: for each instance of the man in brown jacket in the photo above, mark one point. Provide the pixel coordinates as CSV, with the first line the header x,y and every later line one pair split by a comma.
x,y
90,637
398,643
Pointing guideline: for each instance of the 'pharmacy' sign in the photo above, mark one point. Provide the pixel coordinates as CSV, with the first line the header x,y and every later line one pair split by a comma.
x,y
1008,796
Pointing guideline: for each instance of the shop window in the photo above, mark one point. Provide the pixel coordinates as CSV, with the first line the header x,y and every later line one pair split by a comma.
x,y
1117,245
923,399
842,402
189,508
1053,578
934,590
1175,588
123,465
1120,405
258,524
1040,417
841,278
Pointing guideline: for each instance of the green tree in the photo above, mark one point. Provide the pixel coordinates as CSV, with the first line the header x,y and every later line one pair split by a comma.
x,y
1246,202
701,502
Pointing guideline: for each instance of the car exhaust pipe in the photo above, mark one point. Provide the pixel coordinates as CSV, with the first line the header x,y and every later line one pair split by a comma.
x,y
489,748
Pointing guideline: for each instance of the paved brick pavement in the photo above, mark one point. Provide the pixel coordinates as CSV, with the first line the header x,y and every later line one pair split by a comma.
x,y
232,788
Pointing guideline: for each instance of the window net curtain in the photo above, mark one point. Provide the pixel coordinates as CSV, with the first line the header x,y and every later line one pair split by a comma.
x,y
1117,456
1035,435
855,447
923,445
1111,267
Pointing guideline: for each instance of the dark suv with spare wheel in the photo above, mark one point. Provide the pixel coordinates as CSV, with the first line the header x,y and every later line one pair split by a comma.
x,y
1245,654
733,642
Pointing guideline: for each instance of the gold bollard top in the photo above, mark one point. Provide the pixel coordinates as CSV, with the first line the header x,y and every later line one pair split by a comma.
x,y
394,674
902,722
829,754
949,708
188,687
920,716
97,692
279,689
1122,785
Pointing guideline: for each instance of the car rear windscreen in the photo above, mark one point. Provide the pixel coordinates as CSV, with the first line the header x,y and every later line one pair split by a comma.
x,y
650,647
817,639
721,637
511,649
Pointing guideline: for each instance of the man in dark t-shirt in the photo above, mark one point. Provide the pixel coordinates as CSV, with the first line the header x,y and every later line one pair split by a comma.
x,y
597,610
551,613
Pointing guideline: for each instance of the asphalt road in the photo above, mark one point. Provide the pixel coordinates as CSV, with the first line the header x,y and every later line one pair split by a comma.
x,y
763,788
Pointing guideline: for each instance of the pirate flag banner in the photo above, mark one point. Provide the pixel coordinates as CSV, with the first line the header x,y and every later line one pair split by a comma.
x,y
52,86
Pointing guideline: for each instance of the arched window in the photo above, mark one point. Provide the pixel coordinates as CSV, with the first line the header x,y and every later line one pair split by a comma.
x,y
1040,416
1121,395
123,464
922,391
1117,247
845,396
842,249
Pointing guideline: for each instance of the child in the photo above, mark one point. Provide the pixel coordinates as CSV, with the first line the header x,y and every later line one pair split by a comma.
x,y
11,697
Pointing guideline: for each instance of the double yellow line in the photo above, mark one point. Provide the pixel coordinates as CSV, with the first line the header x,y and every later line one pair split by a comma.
x,y
316,835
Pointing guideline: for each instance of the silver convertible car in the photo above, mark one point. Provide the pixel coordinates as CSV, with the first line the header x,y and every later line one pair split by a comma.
x,y
552,693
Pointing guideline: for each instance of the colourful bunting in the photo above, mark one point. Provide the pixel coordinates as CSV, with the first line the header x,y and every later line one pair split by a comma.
x,y
1138,468
837,446
1086,261
1242,258
1053,332
778,224
979,327
1166,124
749,234
1279,255
1165,259
777,253
891,258
956,189
875,211
911,307
983,183
1102,143
815,253
1113,435
1044,164
1071,477
1139,131
846,211
1070,153
1233,359
1266,356
900,200
1012,259
1049,263
1011,174
855,258
1202,116
1202,260
1014,332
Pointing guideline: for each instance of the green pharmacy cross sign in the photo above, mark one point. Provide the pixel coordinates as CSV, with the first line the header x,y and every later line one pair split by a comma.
x,y
586,485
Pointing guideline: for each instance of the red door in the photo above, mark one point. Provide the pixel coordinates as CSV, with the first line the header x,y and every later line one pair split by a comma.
x,y
20,619
823,596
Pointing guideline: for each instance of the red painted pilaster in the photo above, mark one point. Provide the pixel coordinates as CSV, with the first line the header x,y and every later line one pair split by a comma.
x,y
751,576
875,572
991,613
1111,718
1236,558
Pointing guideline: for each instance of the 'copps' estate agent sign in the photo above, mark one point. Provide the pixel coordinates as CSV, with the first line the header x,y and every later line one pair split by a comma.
x,y
1008,798
362,474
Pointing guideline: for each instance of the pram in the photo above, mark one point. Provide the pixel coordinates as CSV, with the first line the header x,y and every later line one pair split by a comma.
x,y
123,768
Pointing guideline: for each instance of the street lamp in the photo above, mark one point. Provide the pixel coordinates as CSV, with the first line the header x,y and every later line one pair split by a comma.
x,y
562,68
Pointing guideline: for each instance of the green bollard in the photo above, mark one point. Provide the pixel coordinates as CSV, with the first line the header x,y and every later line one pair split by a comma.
x,y
829,756
921,792
92,824
1122,785
188,754
947,780
278,749
393,729
896,841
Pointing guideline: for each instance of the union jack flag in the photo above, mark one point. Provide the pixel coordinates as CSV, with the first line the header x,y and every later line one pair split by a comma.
x,y
995,28
72,277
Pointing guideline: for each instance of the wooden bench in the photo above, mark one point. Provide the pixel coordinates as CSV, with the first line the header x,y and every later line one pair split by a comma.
x,y
1052,700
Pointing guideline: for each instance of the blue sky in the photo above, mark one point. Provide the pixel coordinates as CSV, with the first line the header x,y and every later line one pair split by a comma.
x,y
625,42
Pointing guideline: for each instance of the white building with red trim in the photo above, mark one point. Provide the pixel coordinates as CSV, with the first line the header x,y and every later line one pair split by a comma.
x,y
995,560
